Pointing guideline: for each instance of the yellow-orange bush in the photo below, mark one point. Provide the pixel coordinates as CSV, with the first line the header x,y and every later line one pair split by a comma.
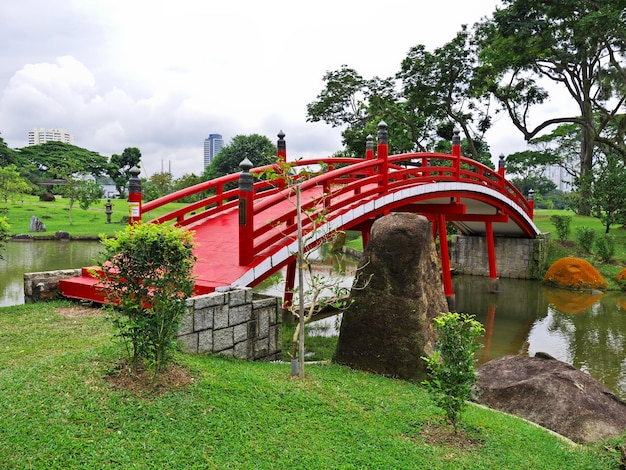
x,y
574,273
621,279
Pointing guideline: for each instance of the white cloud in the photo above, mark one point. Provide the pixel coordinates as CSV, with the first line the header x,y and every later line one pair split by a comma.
x,y
161,75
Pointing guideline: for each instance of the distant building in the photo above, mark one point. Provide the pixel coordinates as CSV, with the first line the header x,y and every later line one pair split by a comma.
x,y
212,144
39,135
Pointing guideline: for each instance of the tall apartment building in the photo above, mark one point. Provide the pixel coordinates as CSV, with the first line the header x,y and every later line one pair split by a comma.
x,y
212,144
39,135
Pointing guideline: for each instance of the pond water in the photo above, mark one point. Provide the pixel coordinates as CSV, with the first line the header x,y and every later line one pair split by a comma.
x,y
34,256
587,331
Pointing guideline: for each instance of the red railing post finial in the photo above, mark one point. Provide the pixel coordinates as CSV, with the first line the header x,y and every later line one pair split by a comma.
x,y
134,196
281,145
456,143
531,203
383,153
246,213
501,170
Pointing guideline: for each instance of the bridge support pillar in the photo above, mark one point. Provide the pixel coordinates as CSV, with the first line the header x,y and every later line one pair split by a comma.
x,y
493,284
290,283
445,262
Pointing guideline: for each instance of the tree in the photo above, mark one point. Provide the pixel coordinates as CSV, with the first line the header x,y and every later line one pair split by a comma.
x,y
577,45
57,159
79,188
609,190
186,181
431,94
158,185
7,156
147,272
256,148
120,165
11,184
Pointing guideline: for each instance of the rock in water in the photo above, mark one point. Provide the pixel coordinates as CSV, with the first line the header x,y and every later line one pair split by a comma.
x,y
552,394
388,327
36,225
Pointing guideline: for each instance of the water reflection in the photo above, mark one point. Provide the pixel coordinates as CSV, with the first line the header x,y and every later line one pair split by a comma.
x,y
35,256
583,329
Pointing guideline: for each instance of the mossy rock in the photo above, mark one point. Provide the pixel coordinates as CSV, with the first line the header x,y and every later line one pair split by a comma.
x,y
574,273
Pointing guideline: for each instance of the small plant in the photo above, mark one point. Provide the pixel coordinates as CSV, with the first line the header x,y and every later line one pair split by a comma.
x,y
561,223
451,365
147,277
605,247
586,237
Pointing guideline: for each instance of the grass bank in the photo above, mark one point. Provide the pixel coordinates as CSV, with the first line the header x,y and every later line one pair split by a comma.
x,y
59,411
55,215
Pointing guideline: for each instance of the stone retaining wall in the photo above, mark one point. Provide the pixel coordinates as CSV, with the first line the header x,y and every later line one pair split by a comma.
x,y
516,258
233,322
45,285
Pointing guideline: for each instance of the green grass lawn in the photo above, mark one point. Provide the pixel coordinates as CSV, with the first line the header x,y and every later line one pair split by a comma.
x,y
90,222
58,411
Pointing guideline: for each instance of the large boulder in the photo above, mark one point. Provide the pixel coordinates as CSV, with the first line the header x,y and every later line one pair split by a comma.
x,y
552,394
398,292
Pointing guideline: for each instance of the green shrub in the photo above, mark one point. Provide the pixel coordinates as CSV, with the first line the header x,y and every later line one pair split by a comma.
x,y
586,237
451,365
4,233
147,274
605,247
561,223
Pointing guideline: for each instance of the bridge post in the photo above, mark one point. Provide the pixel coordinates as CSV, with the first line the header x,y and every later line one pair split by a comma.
x,y
281,145
246,213
501,170
445,262
493,285
456,152
383,154
369,152
134,196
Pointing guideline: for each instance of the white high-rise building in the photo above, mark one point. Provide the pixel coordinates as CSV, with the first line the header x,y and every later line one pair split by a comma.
x,y
212,144
39,135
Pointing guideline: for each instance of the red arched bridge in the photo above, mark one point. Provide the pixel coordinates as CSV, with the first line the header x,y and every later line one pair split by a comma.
x,y
245,234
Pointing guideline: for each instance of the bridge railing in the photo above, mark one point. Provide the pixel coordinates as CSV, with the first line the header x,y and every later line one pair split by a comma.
x,y
333,186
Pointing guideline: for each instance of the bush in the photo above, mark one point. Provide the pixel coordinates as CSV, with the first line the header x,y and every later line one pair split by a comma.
x,y
147,273
586,237
451,365
561,223
4,233
621,279
605,246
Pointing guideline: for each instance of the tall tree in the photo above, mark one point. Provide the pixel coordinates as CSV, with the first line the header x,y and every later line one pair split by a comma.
x,y
431,94
256,148
11,184
57,160
576,45
120,165
7,156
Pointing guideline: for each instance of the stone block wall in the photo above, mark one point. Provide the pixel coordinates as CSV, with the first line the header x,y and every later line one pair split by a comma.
x,y
235,323
516,258
45,285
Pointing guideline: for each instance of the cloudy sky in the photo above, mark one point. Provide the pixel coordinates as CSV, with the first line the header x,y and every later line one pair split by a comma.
x,y
161,75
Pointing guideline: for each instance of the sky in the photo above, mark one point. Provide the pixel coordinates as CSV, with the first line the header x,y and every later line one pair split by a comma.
x,y
162,75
